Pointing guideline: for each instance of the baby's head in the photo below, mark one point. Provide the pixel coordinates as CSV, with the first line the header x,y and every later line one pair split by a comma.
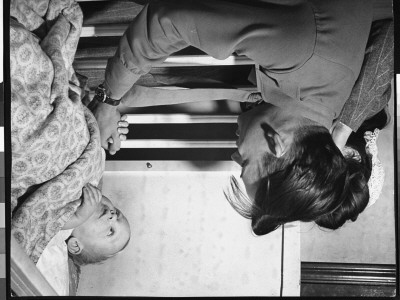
x,y
103,235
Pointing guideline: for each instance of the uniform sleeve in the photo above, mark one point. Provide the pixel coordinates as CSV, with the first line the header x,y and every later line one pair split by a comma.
x,y
372,89
165,27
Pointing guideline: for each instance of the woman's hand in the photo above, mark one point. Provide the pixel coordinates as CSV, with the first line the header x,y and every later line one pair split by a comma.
x,y
113,127
90,201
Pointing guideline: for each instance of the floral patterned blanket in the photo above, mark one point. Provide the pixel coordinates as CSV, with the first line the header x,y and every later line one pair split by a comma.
x,y
55,138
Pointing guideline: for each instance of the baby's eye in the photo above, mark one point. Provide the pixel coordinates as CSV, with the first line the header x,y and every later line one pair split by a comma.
x,y
110,232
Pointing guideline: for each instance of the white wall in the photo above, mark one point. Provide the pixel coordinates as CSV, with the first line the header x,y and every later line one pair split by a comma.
x,y
187,241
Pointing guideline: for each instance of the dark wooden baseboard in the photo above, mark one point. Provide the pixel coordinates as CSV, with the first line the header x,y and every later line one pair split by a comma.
x,y
340,279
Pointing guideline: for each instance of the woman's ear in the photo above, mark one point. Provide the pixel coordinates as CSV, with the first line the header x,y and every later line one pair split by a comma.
x,y
274,140
74,245
279,145
275,143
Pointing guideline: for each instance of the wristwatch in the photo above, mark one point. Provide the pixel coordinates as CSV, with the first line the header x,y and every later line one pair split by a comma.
x,y
101,96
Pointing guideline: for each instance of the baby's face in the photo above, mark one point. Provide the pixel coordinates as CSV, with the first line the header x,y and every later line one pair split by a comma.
x,y
107,231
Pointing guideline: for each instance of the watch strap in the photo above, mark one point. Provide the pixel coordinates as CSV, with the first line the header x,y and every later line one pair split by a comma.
x,y
111,101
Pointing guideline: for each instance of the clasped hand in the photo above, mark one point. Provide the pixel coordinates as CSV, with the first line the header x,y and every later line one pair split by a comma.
x,y
113,127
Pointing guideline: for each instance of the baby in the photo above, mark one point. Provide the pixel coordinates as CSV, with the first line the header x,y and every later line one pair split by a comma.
x,y
100,230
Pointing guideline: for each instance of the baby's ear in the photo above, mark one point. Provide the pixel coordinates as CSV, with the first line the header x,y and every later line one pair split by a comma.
x,y
74,245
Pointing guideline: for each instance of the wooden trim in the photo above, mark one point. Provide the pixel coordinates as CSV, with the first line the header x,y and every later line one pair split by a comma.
x,y
26,279
348,274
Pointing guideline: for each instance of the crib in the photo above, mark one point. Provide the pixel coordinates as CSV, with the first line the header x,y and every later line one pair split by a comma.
x,y
184,149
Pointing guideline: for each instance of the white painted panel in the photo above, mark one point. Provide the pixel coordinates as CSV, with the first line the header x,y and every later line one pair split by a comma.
x,y
291,261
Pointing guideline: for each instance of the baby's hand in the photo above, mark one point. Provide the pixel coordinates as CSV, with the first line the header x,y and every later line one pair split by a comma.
x,y
123,130
90,199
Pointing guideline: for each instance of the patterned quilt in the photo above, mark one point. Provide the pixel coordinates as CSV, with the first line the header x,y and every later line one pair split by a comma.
x,y
55,138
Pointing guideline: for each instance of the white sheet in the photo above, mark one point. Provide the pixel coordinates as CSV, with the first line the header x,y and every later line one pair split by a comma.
x,y
53,263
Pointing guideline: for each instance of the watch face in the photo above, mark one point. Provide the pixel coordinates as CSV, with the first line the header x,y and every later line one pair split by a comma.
x,y
101,96
100,93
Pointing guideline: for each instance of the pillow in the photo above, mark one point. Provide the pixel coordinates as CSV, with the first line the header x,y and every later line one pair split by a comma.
x,y
53,263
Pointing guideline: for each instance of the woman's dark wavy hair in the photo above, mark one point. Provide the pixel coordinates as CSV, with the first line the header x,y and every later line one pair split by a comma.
x,y
312,182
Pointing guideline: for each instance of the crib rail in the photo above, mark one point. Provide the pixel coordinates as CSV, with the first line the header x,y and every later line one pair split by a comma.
x,y
26,279
179,119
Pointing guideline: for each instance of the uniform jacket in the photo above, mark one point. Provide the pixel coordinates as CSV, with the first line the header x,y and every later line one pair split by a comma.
x,y
309,53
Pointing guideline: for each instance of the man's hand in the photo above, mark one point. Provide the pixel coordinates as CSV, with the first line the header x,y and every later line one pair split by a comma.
x,y
113,127
90,201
